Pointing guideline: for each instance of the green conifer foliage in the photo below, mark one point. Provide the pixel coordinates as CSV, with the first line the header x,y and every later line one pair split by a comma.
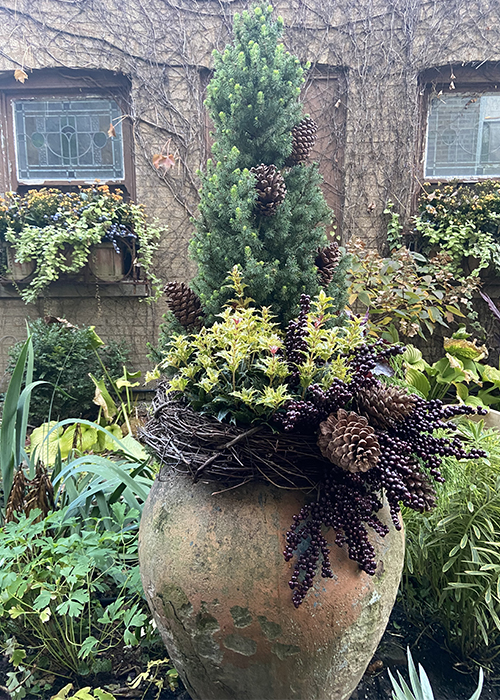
x,y
253,101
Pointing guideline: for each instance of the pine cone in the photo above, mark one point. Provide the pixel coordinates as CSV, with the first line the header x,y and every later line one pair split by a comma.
x,y
271,188
327,261
15,503
348,441
385,405
184,304
423,495
303,140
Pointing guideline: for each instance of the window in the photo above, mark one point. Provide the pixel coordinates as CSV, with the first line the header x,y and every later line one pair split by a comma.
x,y
67,140
463,136
463,124
56,129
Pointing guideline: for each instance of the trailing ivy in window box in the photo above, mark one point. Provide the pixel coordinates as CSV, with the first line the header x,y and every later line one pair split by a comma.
x,y
58,231
463,220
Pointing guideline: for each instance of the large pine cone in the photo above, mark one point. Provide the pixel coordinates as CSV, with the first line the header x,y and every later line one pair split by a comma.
x,y
327,261
303,140
271,188
348,441
423,495
385,405
184,304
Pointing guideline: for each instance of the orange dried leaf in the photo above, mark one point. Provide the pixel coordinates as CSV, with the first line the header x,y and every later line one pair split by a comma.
x,y
111,131
20,75
164,162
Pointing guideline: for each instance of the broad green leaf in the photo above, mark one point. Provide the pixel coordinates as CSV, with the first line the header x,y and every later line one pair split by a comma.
x,y
63,693
95,341
103,398
418,380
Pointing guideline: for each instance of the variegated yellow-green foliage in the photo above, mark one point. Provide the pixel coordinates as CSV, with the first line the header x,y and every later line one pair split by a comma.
x,y
237,368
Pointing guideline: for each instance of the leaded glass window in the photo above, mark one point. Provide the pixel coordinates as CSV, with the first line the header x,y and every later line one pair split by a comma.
x,y
463,136
67,139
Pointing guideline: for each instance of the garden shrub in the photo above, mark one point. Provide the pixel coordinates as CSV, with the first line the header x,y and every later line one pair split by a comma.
x,y
406,294
64,356
70,591
462,220
452,571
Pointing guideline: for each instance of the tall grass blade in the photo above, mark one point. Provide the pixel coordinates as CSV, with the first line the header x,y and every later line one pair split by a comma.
x,y
8,427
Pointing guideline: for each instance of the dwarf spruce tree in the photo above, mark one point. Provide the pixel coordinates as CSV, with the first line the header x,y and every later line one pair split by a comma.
x,y
261,205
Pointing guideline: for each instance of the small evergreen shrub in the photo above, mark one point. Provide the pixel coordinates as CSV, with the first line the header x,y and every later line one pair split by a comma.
x,y
261,206
64,357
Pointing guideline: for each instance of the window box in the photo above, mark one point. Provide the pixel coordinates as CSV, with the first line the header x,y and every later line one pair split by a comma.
x,y
88,236
17,271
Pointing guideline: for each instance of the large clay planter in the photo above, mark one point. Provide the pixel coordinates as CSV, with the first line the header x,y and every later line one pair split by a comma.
x,y
217,584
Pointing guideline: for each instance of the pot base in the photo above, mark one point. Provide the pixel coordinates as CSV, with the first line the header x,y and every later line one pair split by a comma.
x,y
215,578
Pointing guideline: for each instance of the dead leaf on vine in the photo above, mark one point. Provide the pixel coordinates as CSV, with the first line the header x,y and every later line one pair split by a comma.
x,y
111,131
20,75
163,162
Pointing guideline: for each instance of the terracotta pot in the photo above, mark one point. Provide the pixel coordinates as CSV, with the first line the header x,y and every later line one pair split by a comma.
x,y
105,263
217,584
18,271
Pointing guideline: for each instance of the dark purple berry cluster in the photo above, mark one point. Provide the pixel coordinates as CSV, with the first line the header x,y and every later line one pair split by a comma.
x,y
295,340
304,416
347,503
410,457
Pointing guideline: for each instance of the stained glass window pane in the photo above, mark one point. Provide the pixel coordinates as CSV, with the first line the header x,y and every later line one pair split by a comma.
x,y
463,136
68,140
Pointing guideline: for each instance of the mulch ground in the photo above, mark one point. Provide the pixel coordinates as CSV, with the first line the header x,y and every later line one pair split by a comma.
x,y
450,678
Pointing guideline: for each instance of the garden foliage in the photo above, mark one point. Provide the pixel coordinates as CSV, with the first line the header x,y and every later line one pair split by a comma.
x,y
70,591
463,220
420,685
253,103
451,580
57,230
461,375
237,369
406,294
64,355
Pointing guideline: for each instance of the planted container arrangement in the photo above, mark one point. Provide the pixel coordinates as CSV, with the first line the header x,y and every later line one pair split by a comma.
x,y
48,234
271,545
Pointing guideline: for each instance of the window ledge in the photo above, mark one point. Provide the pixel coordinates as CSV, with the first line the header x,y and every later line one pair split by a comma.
x,y
126,288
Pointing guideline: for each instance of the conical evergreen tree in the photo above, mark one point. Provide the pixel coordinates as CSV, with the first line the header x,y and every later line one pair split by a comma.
x,y
253,101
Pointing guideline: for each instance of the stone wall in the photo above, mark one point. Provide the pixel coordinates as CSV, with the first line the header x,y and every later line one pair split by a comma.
x,y
377,51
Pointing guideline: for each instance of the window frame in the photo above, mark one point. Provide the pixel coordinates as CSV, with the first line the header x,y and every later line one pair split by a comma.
x,y
62,83
453,80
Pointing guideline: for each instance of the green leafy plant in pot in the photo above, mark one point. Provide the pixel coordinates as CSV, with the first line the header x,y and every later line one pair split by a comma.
x,y
57,230
275,405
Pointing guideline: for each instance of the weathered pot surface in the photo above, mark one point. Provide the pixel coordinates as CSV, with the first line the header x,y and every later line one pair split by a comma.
x,y
216,581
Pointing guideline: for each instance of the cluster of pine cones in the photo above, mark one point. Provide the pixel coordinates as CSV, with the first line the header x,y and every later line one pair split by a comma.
x,y
270,184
